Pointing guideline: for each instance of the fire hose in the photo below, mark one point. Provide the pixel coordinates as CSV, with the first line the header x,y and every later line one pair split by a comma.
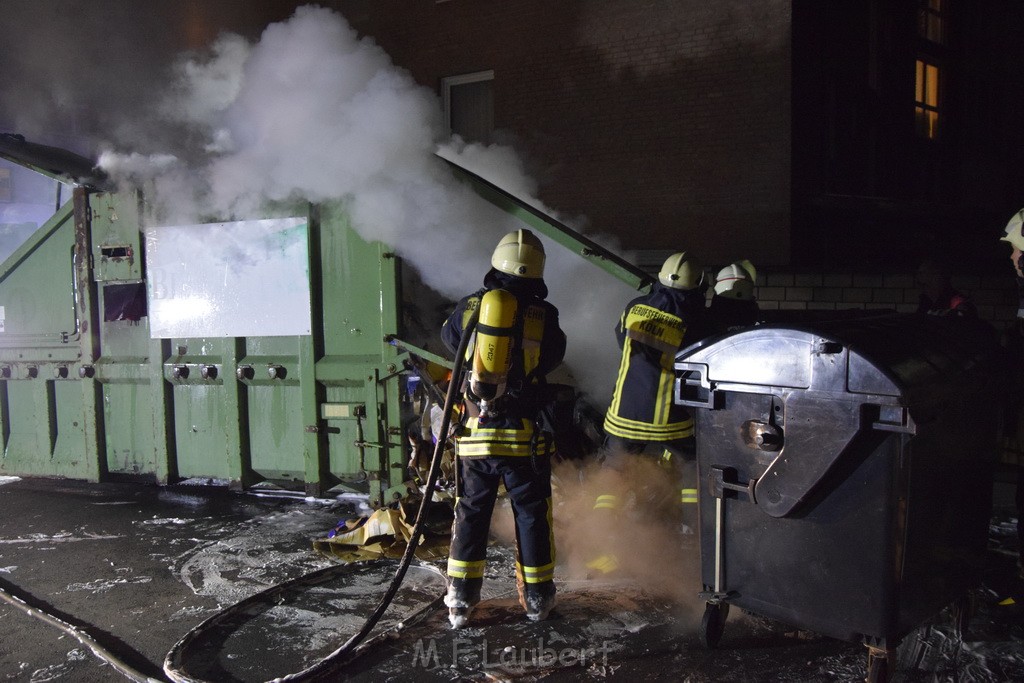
x,y
327,665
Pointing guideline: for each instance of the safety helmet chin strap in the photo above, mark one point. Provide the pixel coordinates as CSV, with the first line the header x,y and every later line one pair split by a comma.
x,y
1020,287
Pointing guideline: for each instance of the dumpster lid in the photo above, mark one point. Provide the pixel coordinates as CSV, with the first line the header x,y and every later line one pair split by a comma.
x,y
53,161
888,355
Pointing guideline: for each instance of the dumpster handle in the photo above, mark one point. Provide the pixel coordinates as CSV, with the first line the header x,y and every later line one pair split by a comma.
x,y
718,545
724,479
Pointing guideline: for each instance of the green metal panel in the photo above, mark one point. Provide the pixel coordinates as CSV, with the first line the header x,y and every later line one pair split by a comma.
x,y
45,430
359,290
127,410
126,404
44,423
36,291
201,444
115,248
274,409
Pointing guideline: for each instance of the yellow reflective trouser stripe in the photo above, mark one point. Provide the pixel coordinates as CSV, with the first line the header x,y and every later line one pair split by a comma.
x,y
536,574
604,564
688,496
466,570
645,431
606,502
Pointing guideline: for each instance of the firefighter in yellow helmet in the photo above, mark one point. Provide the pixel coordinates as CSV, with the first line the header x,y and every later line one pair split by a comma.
x,y
1014,419
518,341
642,413
733,304
651,330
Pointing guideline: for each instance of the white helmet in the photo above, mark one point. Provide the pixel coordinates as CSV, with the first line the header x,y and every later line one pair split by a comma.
x,y
1014,233
681,271
519,253
736,280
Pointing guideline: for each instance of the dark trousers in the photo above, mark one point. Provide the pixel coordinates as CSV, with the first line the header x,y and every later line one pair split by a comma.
x,y
528,483
1020,513
682,450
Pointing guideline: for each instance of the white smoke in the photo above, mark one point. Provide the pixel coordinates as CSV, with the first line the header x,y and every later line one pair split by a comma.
x,y
311,111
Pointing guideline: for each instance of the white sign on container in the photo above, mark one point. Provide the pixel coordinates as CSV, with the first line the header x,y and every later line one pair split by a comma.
x,y
238,279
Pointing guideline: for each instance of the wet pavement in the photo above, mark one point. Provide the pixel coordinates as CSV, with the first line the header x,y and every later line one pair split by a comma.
x,y
138,566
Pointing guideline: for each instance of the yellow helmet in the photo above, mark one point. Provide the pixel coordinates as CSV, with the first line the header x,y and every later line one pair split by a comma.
x,y
1015,231
749,267
681,271
519,253
736,280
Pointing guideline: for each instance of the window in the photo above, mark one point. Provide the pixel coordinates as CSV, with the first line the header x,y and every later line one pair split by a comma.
x,y
469,105
926,100
930,25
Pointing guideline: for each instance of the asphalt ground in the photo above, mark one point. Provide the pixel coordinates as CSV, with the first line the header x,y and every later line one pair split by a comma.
x,y
138,566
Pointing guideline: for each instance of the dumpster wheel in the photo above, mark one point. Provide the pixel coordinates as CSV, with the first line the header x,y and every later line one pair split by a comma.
x,y
713,624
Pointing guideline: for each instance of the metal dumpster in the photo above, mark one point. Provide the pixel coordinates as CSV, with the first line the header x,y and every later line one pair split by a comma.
x,y
845,471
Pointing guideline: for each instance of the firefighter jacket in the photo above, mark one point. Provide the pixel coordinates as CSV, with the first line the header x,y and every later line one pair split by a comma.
x,y
725,314
539,347
651,330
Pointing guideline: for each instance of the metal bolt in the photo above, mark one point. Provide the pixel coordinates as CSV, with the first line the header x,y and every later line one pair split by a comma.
x,y
5,372
179,372
276,372
208,372
86,371
245,372
60,372
32,371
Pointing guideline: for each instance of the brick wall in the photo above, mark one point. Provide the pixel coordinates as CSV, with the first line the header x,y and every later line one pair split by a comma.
x,y
994,296
657,121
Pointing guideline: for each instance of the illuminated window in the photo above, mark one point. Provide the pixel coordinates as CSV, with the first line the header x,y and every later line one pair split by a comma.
x,y
930,25
469,105
926,100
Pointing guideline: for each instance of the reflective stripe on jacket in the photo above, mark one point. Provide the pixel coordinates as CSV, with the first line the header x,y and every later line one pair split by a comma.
x,y
651,331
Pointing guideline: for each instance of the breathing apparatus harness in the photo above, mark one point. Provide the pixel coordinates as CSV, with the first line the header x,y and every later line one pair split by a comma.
x,y
498,338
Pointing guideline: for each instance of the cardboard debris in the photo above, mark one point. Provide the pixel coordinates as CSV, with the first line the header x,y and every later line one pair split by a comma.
x,y
386,533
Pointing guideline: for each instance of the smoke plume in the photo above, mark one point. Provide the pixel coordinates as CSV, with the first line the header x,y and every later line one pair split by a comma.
x,y
641,541
313,111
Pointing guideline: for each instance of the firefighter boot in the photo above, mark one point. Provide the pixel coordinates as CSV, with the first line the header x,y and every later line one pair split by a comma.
x,y
461,598
538,599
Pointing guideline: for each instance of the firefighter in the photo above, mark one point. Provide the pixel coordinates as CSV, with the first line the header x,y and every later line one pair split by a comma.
x,y
501,439
642,413
938,297
733,304
1014,234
